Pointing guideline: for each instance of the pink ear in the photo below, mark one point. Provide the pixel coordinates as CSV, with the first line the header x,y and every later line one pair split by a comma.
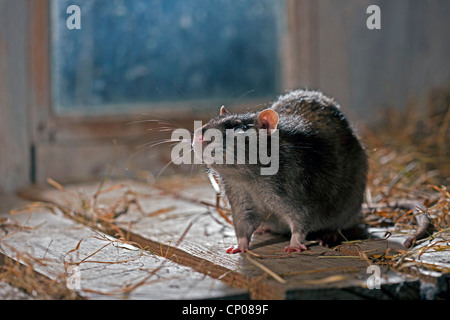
x,y
223,111
268,119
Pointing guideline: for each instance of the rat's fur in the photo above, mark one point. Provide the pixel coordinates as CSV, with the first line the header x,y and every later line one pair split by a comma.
x,y
321,178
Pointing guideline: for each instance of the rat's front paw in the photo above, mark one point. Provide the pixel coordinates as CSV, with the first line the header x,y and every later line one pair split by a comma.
x,y
241,247
234,250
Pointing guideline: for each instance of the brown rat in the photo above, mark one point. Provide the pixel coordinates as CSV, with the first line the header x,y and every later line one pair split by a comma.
x,y
320,174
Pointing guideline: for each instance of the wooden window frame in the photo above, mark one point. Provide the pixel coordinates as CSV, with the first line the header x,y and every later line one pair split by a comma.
x,y
50,131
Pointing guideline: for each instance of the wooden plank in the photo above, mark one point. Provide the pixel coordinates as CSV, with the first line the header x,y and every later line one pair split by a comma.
x,y
179,227
14,139
391,67
8,292
97,266
300,67
38,36
124,160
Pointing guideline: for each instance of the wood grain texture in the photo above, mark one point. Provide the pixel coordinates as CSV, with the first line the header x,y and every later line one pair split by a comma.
x,y
400,64
14,134
175,225
106,268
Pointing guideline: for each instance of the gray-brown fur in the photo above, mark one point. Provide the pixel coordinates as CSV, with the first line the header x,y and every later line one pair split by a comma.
x,y
321,178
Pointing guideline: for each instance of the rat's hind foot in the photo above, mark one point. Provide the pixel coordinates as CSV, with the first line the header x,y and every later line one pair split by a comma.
x,y
331,239
262,230
296,245
299,248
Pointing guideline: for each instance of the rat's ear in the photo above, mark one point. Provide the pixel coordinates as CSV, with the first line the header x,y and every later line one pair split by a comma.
x,y
268,119
223,111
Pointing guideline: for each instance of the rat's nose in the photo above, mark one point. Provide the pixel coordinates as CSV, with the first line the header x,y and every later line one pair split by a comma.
x,y
197,144
198,137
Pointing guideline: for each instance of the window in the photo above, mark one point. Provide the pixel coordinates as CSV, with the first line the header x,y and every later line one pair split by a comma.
x,y
131,55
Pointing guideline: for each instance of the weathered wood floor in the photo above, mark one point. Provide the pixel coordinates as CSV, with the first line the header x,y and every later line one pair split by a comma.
x,y
175,249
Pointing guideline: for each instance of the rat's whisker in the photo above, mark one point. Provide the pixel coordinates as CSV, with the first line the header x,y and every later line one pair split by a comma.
x,y
170,163
153,121
147,146
154,144
164,119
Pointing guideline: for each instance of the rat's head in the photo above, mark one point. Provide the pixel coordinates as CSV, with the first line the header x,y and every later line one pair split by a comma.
x,y
232,140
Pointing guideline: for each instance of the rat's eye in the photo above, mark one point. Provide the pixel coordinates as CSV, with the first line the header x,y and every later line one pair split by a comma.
x,y
238,125
233,124
240,128
245,127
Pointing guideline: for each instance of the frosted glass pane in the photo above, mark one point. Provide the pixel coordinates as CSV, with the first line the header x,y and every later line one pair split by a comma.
x,y
143,52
